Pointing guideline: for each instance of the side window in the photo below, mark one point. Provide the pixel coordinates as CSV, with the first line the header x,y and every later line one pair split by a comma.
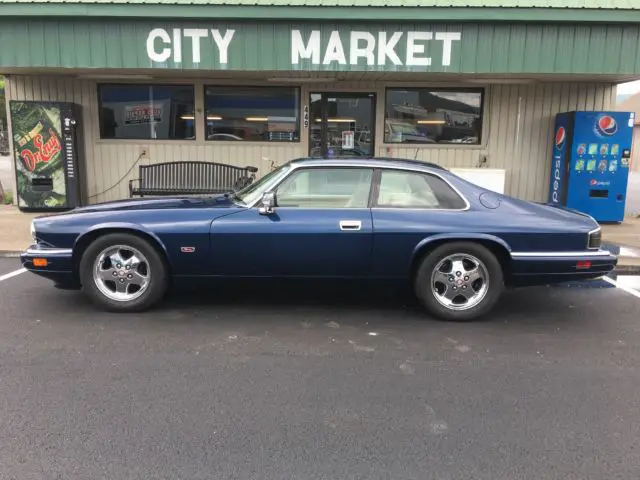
x,y
326,188
400,189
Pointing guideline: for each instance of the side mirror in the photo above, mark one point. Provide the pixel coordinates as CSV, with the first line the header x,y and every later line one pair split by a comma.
x,y
268,204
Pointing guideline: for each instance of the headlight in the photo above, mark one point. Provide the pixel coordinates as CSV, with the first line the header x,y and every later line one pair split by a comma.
x,y
33,231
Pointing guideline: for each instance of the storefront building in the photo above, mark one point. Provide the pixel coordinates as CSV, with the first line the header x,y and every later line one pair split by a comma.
x,y
465,84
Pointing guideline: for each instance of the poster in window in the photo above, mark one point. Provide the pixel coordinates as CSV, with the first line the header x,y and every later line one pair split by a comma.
x,y
348,138
141,119
142,113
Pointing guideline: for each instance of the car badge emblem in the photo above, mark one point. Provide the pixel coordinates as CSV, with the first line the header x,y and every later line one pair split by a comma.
x,y
187,249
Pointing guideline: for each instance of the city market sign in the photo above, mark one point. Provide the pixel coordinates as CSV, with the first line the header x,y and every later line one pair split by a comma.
x,y
128,44
314,49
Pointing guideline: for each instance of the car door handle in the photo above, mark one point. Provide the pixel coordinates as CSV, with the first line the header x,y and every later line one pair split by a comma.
x,y
350,224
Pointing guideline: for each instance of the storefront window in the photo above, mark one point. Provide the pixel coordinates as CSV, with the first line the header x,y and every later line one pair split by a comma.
x,y
159,112
429,116
252,114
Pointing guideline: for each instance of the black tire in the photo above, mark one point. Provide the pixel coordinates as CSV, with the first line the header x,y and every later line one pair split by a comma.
x,y
422,281
158,278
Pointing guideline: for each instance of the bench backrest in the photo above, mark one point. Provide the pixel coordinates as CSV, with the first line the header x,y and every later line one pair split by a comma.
x,y
190,176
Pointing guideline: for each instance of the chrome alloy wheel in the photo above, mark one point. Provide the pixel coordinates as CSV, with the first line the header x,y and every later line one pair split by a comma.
x,y
460,281
121,273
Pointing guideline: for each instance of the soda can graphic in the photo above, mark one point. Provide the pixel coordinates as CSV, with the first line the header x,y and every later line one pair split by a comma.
x,y
602,166
593,149
591,165
615,149
604,149
582,149
613,166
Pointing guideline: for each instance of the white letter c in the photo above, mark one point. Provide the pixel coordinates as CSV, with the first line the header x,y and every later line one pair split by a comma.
x,y
151,52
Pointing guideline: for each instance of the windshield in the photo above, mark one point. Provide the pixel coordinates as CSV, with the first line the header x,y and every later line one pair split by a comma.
x,y
249,194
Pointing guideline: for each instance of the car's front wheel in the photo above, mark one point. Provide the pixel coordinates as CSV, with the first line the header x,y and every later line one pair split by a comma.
x,y
459,281
123,273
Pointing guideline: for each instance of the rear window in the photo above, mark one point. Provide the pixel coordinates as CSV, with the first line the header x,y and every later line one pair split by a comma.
x,y
401,189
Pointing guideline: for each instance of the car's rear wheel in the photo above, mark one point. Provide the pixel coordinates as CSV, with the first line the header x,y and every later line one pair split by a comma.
x,y
123,273
459,281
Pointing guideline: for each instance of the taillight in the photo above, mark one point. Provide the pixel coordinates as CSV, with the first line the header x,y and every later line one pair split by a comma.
x,y
595,239
583,264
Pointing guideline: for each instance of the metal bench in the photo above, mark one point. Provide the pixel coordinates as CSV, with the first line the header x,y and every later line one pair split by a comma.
x,y
190,178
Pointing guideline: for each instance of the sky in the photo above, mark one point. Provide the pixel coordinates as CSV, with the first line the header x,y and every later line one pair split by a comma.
x,y
629,88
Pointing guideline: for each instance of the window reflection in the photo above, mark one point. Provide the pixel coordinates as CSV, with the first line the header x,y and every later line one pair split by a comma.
x,y
433,116
146,111
341,124
252,114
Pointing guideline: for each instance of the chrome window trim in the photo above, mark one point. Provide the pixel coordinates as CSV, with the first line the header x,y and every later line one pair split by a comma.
x,y
49,251
586,253
373,165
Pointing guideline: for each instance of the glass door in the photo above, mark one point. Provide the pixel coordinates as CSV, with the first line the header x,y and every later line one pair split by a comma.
x,y
341,124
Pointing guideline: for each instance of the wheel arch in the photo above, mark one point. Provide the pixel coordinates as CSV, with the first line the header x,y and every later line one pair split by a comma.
x,y
494,244
86,238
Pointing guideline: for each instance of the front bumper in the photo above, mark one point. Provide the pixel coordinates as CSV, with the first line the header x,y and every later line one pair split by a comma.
x,y
59,263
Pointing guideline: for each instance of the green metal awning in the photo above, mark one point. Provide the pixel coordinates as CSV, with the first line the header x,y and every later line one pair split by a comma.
x,y
598,11
563,4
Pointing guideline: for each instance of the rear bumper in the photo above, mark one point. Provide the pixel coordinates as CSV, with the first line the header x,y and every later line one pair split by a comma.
x,y
547,267
60,266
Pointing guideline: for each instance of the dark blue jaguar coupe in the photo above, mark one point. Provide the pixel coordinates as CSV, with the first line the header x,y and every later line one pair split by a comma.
x,y
457,244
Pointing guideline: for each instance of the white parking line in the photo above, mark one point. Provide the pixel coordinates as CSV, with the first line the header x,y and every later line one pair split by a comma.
x,y
12,274
624,288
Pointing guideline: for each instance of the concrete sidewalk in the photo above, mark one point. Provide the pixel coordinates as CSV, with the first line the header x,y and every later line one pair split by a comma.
x,y
14,230
623,240
6,174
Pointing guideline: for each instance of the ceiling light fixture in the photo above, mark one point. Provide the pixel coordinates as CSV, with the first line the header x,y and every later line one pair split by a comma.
x,y
337,120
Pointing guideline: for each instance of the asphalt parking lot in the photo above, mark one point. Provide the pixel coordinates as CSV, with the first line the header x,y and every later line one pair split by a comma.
x,y
328,384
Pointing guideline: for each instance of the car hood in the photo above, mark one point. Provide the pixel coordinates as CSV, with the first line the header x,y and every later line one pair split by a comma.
x,y
164,203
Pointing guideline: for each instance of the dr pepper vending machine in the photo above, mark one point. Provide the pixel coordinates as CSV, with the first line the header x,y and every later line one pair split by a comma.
x,y
47,147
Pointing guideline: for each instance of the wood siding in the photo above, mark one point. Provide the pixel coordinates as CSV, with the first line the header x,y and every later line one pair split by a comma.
x,y
517,133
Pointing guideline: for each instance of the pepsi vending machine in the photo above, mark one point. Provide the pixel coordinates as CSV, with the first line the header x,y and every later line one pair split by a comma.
x,y
590,164
47,149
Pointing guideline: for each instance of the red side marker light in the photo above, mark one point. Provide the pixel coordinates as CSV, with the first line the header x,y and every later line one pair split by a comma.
x,y
583,264
40,262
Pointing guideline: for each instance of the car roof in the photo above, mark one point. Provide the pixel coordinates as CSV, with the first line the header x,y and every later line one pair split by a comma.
x,y
380,162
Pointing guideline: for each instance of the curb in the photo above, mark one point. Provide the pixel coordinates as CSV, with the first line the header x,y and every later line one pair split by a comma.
x,y
627,270
10,253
